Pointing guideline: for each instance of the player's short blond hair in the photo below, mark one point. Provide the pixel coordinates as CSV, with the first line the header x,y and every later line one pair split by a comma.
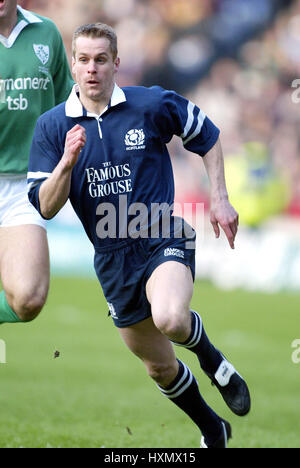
x,y
95,30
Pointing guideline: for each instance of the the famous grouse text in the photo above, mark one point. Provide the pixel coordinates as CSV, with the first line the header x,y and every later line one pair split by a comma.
x,y
109,180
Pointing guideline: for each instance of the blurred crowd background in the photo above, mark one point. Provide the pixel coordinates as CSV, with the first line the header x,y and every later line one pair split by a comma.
x,y
239,60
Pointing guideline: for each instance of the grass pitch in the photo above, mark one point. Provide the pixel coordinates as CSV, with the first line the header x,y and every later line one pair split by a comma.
x,y
69,381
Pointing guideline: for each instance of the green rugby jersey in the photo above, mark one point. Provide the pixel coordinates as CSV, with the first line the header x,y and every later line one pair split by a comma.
x,y
35,76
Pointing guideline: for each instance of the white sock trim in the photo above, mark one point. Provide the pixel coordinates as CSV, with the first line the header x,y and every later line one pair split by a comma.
x,y
225,434
197,333
182,385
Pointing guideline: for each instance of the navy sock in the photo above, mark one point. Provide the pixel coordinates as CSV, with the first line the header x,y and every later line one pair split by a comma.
x,y
209,357
184,392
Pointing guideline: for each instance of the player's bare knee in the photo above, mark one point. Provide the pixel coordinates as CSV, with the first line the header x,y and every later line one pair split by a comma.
x,y
28,306
173,324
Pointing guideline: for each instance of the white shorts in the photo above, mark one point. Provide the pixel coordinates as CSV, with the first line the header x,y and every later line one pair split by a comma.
x,y
15,208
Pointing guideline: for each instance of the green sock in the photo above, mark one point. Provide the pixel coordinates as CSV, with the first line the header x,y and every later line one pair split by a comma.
x,y
7,315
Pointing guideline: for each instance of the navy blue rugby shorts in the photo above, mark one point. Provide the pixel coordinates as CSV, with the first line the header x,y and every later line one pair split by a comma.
x,y
124,271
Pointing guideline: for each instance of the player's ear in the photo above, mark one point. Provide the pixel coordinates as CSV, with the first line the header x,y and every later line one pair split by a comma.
x,y
73,64
117,64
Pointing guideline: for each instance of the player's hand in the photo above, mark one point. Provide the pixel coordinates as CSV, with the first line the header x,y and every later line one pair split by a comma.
x,y
75,141
223,214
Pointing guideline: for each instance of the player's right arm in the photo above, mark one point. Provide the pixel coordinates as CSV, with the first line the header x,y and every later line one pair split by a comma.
x,y
53,155
54,191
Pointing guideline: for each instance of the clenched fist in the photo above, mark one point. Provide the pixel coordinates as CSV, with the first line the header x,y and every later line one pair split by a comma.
x,y
75,141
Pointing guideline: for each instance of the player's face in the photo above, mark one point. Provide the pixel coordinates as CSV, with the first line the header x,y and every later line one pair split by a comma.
x,y
7,8
94,68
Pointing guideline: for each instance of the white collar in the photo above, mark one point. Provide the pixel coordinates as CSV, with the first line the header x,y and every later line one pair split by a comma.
x,y
74,107
28,18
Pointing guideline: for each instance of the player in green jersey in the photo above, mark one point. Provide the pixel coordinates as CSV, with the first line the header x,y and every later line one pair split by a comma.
x,y
34,77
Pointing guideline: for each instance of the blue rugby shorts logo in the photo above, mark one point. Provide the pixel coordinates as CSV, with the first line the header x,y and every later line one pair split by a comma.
x,y
170,252
112,310
135,139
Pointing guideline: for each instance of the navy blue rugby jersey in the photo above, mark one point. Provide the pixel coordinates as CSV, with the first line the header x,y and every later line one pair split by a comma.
x,y
124,170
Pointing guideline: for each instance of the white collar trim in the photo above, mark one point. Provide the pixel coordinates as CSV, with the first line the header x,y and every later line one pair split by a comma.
x,y
28,19
74,108
117,97
29,16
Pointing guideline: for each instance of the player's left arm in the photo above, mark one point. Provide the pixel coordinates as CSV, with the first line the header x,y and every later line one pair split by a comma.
x,y
222,212
181,117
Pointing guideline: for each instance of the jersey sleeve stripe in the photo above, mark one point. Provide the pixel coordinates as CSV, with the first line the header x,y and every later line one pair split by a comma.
x,y
38,175
34,178
190,119
201,118
32,184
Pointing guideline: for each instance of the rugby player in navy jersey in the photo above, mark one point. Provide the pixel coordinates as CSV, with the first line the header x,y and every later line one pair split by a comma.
x,y
105,150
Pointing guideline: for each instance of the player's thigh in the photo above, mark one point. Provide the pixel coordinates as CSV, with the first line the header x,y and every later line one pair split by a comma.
x,y
153,348
169,291
24,258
